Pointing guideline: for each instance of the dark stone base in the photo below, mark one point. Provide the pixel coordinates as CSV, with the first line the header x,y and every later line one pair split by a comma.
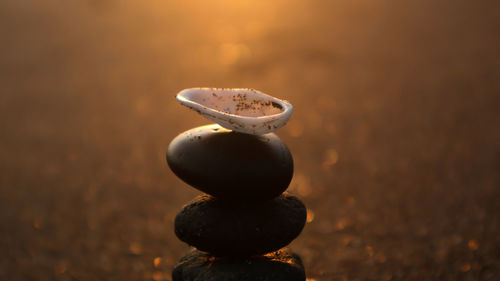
x,y
276,266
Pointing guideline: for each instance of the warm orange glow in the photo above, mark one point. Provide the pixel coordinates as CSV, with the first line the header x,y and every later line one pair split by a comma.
x,y
394,131
157,261
310,215
473,245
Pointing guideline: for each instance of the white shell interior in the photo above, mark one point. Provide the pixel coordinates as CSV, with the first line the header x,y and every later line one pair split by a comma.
x,y
243,110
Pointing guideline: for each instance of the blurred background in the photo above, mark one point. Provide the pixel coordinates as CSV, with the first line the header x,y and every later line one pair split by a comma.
x,y
394,134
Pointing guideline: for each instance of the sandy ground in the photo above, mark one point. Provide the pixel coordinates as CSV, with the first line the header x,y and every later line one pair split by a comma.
x,y
395,131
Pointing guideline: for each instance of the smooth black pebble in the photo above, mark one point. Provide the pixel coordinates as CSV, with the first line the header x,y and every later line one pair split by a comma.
x,y
227,164
225,229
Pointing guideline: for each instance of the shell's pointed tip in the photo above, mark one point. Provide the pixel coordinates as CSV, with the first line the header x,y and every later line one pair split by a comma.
x,y
241,110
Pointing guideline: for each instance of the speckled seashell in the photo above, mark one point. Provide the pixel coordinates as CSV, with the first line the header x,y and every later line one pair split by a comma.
x,y
242,110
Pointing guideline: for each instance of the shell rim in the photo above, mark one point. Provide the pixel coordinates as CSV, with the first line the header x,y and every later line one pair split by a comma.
x,y
287,106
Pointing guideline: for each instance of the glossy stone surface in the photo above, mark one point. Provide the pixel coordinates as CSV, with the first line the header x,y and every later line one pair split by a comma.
x,y
277,266
220,228
227,164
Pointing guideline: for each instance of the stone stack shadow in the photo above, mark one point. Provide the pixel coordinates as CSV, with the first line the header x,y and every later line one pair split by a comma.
x,y
241,224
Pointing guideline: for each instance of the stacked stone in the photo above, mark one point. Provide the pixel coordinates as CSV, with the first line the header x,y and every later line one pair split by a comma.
x,y
241,224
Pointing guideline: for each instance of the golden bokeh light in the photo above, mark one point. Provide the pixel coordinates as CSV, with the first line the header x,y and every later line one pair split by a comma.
x,y
157,261
473,245
310,215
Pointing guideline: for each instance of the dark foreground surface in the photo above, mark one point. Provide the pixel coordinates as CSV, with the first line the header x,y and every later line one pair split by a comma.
x,y
276,266
394,135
